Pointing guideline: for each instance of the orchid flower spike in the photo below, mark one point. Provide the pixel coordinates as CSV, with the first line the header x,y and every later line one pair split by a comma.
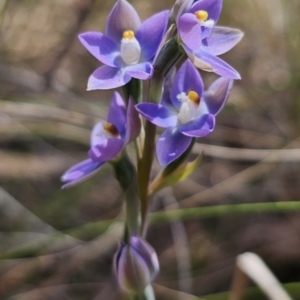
x,y
203,41
188,112
107,140
127,47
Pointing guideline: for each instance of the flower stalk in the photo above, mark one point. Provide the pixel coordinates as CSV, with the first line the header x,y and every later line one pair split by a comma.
x,y
126,175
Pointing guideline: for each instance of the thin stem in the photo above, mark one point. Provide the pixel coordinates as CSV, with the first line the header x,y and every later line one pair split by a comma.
x,y
126,175
144,170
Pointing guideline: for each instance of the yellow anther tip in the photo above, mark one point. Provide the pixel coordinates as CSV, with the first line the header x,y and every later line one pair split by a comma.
x,y
128,34
111,128
194,97
201,15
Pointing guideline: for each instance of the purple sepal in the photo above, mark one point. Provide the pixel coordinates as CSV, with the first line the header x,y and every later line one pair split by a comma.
x,y
200,127
80,173
217,94
151,33
222,39
190,31
215,64
107,77
170,145
106,150
122,17
158,114
102,48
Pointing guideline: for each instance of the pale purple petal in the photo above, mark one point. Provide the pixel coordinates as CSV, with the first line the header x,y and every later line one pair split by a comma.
x,y
211,63
141,71
190,31
151,33
222,39
200,127
133,124
101,47
122,17
107,150
117,113
217,94
80,172
158,114
107,77
187,79
170,145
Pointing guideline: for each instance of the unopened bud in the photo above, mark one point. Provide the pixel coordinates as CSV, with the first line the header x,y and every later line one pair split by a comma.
x,y
179,8
136,265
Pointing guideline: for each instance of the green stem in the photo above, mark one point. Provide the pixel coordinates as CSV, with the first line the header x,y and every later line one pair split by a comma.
x,y
168,57
145,164
144,170
126,175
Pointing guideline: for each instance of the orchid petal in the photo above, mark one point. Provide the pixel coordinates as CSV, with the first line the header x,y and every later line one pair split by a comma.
x,y
210,63
170,145
80,172
199,127
117,113
190,31
133,124
217,95
101,47
158,114
187,79
122,17
141,71
106,150
107,77
151,33
222,39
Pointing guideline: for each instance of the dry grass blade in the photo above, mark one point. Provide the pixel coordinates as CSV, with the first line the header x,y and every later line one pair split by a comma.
x,y
252,266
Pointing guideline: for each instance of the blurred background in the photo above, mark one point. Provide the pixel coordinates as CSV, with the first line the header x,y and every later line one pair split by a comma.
x,y
58,244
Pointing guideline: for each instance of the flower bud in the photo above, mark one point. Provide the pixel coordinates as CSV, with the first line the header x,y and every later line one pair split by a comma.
x,y
180,7
136,265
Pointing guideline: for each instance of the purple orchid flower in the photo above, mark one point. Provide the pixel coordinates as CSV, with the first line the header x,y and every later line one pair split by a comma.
x,y
188,113
203,41
107,140
127,47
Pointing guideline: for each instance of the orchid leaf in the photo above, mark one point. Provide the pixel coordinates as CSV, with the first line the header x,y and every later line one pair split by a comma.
x,y
178,175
